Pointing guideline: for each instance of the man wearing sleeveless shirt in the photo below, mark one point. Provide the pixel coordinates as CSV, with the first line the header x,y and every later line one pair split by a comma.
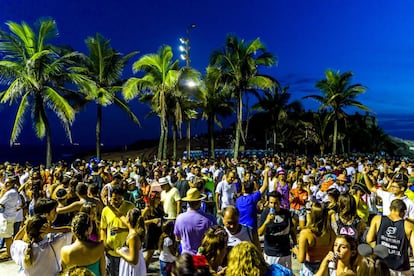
x,y
396,234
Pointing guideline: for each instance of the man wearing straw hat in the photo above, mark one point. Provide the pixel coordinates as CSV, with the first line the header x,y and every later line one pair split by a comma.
x,y
191,226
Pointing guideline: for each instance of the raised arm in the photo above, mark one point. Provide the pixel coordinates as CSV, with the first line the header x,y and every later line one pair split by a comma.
x,y
265,182
368,181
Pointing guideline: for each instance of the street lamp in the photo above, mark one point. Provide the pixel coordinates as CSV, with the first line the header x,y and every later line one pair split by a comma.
x,y
185,47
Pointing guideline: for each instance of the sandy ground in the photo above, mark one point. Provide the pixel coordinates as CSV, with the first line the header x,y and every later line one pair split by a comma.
x,y
9,268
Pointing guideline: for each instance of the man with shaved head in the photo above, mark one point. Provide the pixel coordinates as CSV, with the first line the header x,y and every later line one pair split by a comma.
x,y
238,232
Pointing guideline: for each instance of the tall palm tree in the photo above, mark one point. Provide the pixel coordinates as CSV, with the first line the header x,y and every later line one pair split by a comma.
x,y
239,62
214,101
33,73
104,67
276,103
337,94
159,79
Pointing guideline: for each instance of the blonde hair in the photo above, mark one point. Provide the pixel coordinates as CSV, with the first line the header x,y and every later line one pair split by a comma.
x,y
76,271
245,259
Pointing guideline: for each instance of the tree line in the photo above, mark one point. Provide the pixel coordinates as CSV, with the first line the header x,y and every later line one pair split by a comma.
x,y
42,79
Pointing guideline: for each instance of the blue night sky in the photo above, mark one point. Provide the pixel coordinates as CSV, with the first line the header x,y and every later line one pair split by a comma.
x,y
372,38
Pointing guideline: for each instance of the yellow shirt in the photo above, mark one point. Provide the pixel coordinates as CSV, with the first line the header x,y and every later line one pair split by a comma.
x,y
362,208
109,220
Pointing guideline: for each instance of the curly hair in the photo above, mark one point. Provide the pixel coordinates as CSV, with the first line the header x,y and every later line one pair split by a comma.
x,y
76,271
33,227
245,259
80,225
213,243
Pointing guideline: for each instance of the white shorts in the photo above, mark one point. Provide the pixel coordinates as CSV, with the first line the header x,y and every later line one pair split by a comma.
x,y
286,261
8,233
400,273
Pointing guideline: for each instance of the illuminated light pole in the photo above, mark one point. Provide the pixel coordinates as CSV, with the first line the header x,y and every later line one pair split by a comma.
x,y
185,45
185,55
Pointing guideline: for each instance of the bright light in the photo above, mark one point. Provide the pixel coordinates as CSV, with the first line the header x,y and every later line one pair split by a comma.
x,y
181,48
190,83
183,57
182,40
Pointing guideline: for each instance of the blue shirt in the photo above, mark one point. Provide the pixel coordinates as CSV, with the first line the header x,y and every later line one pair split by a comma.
x,y
247,206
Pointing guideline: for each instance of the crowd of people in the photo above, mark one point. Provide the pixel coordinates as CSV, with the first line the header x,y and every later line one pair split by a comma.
x,y
335,215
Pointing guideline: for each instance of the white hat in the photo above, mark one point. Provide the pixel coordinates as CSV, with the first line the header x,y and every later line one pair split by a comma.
x,y
204,171
163,181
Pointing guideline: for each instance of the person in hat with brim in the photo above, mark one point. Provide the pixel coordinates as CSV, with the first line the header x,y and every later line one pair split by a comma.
x,y
359,190
191,226
170,198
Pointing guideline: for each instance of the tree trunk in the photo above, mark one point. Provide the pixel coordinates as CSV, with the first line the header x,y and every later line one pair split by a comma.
x,y
174,136
238,126
210,123
161,141
48,141
188,137
335,136
165,145
98,131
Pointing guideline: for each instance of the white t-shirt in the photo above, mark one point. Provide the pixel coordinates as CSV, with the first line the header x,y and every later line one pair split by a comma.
x,y
10,200
245,234
165,254
45,254
227,193
388,197
169,202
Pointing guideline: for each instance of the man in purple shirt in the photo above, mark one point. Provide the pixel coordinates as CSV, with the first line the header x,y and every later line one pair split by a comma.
x,y
191,226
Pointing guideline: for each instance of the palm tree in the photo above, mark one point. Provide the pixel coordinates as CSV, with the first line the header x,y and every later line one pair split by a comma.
x,y
337,94
33,73
160,78
239,62
276,103
214,102
104,67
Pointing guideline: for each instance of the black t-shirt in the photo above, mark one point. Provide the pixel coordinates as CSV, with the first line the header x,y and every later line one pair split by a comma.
x,y
276,235
391,234
182,187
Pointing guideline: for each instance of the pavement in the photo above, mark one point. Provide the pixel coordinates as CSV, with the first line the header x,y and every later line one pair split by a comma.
x,y
10,268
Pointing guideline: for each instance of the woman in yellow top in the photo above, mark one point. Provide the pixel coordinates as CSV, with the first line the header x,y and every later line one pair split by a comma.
x,y
358,190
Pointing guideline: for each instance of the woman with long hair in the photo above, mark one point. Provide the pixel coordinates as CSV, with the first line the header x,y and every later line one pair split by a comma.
x,y
346,220
132,261
315,241
153,215
37,255
214,246
84,252
92,210
342,260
